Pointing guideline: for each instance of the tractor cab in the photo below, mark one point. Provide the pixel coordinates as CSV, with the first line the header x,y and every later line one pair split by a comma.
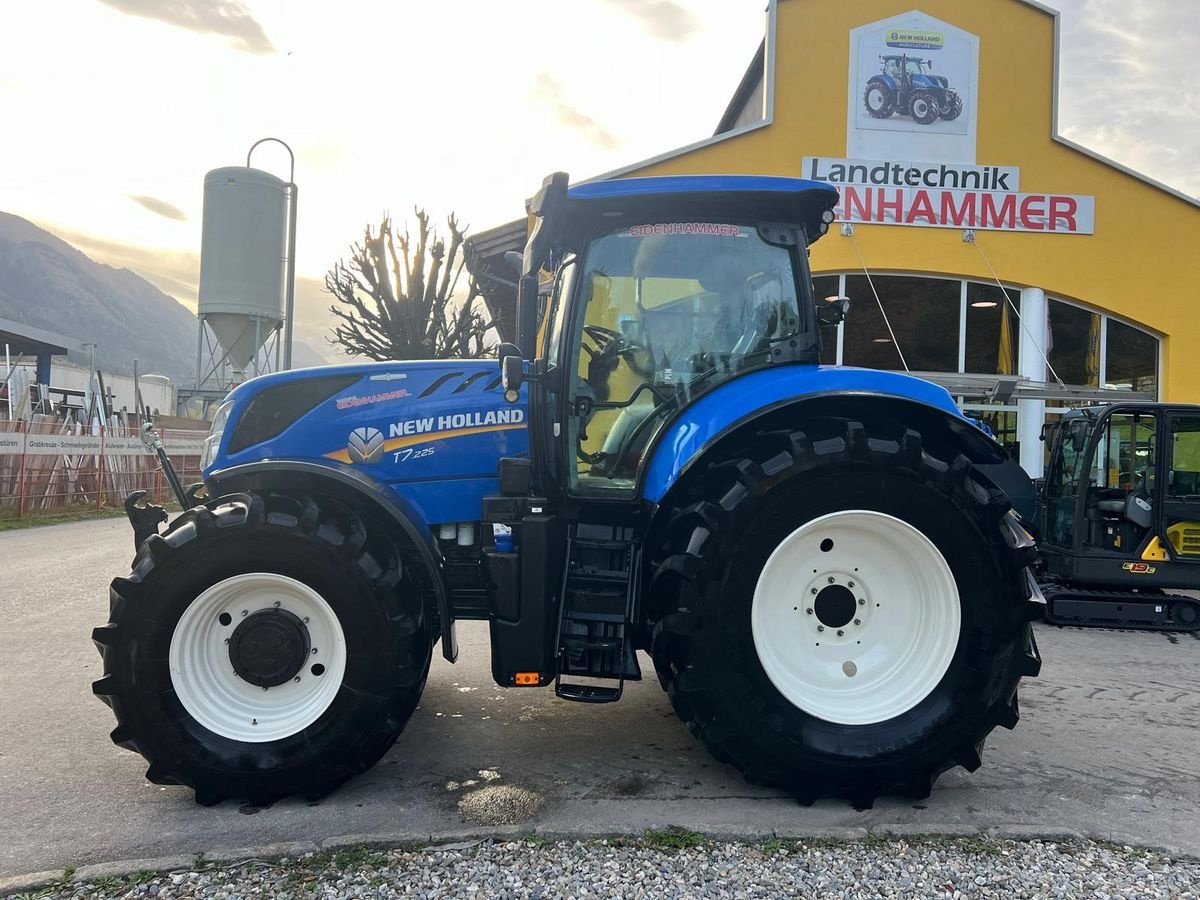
x,y
1121,511
901,67
663,290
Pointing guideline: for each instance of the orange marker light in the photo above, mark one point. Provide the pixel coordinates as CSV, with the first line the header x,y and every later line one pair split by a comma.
x,y
527,679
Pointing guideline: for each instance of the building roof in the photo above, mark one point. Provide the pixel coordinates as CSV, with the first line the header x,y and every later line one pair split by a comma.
x,y
745,90
22,338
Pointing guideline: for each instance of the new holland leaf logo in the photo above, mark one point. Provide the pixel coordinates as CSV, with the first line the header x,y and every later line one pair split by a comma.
x,y
365,445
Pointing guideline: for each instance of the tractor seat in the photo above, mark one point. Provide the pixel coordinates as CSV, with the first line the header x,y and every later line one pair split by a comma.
x,y
1111,507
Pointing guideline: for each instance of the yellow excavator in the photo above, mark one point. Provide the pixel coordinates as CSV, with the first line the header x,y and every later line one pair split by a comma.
x,y
1119,517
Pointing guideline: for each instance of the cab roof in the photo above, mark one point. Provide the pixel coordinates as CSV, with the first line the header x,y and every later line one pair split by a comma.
x,y
751,198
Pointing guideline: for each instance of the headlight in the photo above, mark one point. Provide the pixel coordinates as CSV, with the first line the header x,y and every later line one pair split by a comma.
x,y
213,441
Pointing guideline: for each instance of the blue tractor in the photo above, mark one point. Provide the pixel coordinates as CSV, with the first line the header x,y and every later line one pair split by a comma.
x,y
905,85
820,562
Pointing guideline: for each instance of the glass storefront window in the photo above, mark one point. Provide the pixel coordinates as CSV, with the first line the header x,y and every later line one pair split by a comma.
x,y
1131,359
827,286
1074,343
991,346
923,313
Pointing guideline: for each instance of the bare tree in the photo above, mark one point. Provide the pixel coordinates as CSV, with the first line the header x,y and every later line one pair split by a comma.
x,y
396,296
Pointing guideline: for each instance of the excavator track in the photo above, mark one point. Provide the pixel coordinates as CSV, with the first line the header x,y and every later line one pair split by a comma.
x,y
1121,609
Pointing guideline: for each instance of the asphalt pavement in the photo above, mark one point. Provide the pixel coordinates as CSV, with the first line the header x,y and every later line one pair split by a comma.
x,y
1106,748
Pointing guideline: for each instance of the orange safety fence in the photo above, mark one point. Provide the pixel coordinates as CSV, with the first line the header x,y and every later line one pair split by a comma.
x,y
53,467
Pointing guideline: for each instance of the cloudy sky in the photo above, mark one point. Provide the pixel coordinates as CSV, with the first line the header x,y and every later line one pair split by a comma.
x,y
114,109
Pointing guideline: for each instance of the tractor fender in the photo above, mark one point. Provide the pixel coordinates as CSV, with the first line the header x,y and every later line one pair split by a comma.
x,y
357,489
886,80
809,390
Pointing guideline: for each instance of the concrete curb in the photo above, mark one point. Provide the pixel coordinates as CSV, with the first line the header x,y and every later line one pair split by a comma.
x,y
16,884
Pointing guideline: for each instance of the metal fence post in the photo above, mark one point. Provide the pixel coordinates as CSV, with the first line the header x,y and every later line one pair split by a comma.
x,y
21,473
100,471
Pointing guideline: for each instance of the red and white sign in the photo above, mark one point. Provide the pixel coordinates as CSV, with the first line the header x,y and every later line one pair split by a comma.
x,y
984,210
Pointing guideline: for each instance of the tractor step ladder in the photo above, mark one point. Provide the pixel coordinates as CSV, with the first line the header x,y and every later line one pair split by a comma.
x,y
593,641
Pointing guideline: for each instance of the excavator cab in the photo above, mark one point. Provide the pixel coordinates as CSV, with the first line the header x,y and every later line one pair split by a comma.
x,y
1120,516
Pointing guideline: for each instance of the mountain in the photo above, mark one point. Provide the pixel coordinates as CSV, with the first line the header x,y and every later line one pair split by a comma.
x,y
46,283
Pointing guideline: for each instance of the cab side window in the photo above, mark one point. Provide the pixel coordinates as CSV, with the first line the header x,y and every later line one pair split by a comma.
x,y
1184,477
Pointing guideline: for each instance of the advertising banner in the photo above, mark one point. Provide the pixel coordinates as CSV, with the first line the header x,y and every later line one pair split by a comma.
x,y
913,90
85,444
61,444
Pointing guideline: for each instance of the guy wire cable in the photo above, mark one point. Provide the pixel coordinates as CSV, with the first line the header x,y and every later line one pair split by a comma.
x,y
871,282
1016,311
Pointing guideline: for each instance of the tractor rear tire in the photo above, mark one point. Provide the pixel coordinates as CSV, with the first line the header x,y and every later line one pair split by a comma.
x,y
841,612
265,645
924,108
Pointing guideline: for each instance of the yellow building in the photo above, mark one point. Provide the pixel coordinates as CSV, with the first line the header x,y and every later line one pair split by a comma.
x,y
961,207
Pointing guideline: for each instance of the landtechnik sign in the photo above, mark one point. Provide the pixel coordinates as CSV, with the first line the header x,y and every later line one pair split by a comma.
x,y
947,195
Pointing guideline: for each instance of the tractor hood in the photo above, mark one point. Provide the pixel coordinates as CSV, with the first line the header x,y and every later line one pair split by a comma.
x,y
929,81
396,421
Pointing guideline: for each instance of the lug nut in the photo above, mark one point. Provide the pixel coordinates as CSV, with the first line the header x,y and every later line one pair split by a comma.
x,y
814,590
245,612
277,604
809,611
820,628
830,579
841,633
858,621
850,584
862,602
264,688
314,650
306,620
296,679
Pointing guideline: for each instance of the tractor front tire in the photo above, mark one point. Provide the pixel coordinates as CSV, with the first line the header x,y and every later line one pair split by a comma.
x,y
924,108
842,612
879,100
265,645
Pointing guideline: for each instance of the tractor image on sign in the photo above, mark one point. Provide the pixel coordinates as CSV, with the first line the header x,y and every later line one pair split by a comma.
x,y
820,561
905,86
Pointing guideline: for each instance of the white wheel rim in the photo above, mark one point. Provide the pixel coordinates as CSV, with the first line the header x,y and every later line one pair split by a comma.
x,y
902,633
875,99
216,697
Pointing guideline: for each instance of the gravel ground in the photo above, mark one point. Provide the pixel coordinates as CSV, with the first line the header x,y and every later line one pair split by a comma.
x,y
680,864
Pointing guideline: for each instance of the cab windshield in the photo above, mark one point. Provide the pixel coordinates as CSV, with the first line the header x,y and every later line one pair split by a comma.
x,y
667,311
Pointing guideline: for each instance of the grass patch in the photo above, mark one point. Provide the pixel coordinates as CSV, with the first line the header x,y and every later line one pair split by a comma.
x,y
671,838
358,857
10,521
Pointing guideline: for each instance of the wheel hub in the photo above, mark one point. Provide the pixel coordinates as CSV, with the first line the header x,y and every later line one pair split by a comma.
x,y
835,605
269,647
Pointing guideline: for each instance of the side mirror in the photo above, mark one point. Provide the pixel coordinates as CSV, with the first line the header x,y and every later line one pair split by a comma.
x,y
833,311
512,374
